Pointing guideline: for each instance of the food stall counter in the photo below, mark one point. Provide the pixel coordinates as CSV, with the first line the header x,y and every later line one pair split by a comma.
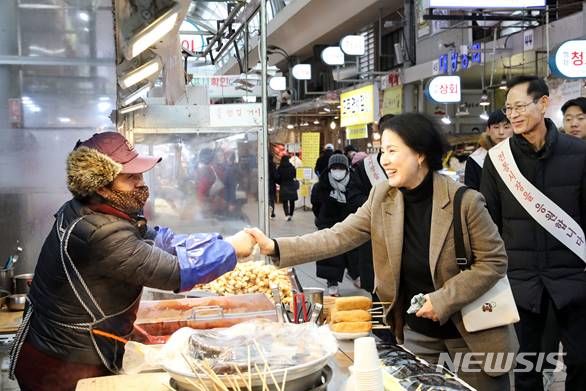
x,y
10,321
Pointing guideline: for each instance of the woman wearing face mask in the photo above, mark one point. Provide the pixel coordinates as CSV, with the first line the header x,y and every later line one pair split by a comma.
x,y
329,205
409,219
94,263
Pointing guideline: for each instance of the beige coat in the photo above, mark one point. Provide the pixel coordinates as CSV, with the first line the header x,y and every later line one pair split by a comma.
x,y
381,219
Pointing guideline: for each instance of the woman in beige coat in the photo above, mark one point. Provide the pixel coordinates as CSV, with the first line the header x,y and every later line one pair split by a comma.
x,y
409,220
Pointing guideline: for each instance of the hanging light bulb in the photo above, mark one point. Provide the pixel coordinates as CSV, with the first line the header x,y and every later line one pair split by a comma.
x,y
290,126
316,122
333,125
446,120
484,116
484,98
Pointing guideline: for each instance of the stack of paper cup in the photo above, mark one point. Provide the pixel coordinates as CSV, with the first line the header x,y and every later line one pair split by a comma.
x,y
367,370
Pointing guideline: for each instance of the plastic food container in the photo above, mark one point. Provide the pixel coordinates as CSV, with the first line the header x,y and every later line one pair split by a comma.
x,y
158,319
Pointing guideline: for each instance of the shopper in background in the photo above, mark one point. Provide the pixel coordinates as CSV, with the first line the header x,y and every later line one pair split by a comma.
x,y
94,264
330,206
357,158
544,273
409,219
350,151
574,112
322,161
272,184
498,128
288,186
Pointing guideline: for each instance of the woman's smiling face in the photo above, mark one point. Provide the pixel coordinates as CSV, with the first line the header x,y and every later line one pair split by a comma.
x,y
401,163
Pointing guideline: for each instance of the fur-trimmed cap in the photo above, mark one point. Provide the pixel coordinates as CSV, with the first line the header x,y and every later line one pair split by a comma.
x,y
88,170
94,163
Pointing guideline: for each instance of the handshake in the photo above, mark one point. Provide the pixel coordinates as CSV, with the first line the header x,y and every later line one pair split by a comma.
x,y
245,241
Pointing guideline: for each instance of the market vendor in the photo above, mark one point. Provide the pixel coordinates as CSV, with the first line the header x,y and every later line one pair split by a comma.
x,y
94,263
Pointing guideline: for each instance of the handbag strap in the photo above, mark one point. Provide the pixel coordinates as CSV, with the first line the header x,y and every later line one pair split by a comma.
x,y
461,257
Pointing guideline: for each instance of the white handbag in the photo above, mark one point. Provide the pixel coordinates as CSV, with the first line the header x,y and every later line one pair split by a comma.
x,y
495,307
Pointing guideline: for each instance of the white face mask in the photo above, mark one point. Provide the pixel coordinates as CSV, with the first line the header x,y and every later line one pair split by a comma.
x,y
338,174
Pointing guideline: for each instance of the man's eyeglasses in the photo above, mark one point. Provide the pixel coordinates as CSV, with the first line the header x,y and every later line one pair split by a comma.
x,y
508,110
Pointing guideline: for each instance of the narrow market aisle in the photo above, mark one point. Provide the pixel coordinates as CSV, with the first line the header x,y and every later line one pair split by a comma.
x,y
302,223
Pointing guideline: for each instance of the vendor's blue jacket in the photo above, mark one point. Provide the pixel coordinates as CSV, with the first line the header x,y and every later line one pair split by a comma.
x,y
115,259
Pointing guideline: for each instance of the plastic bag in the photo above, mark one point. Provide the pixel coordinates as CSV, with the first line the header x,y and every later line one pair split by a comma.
x,y
281,345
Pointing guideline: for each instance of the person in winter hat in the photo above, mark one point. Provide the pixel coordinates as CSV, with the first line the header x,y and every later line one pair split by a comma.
x,y
330,206
94,263
498,128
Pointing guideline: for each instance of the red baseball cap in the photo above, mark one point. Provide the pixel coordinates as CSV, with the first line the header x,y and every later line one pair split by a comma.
x,y
116,146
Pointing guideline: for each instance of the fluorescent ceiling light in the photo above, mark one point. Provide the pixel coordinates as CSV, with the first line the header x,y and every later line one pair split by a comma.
x,y
84,16
446,120
104,106
128,109
290,126
316,122
333,125
144,71
140,92
152,33
64,120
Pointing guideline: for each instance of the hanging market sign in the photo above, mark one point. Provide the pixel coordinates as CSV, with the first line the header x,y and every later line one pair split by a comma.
x,y
568,59
357,106
310,148
393,100
444,89
449,61
356,132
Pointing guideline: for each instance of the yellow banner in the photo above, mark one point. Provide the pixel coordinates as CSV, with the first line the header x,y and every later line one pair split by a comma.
x,y
356,132
310,148
357,106
393,100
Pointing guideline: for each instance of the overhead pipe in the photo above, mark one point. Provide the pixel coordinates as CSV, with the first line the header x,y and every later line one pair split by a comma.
x,y
218,36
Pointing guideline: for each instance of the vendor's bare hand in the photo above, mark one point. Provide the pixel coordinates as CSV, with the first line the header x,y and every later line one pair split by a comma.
x,y
266,244
426,311
243,244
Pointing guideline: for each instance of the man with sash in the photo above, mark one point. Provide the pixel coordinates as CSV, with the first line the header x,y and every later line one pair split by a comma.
x,y
535,189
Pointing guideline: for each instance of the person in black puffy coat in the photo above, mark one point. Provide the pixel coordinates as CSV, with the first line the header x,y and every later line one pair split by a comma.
x,y
288,186
544,274
94,263
330,206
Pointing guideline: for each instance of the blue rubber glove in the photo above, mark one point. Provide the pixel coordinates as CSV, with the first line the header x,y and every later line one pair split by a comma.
x,y
202,257
166,239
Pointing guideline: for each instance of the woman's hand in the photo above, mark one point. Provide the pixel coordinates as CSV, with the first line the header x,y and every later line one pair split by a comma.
x,y
266,244
426,311
243,244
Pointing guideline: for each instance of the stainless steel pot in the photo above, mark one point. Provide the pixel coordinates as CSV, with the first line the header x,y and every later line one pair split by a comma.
x,y
6,279
4,297
22,283
16,302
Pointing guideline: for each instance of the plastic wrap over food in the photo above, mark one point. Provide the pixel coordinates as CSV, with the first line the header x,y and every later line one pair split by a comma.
x,y
403,370
280,345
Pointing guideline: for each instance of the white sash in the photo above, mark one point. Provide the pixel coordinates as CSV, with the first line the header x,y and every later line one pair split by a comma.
x,y
479,156
543,210
373,170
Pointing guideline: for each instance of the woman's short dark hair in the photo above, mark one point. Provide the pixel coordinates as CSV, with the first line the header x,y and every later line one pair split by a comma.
x,y
579,102
422,134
